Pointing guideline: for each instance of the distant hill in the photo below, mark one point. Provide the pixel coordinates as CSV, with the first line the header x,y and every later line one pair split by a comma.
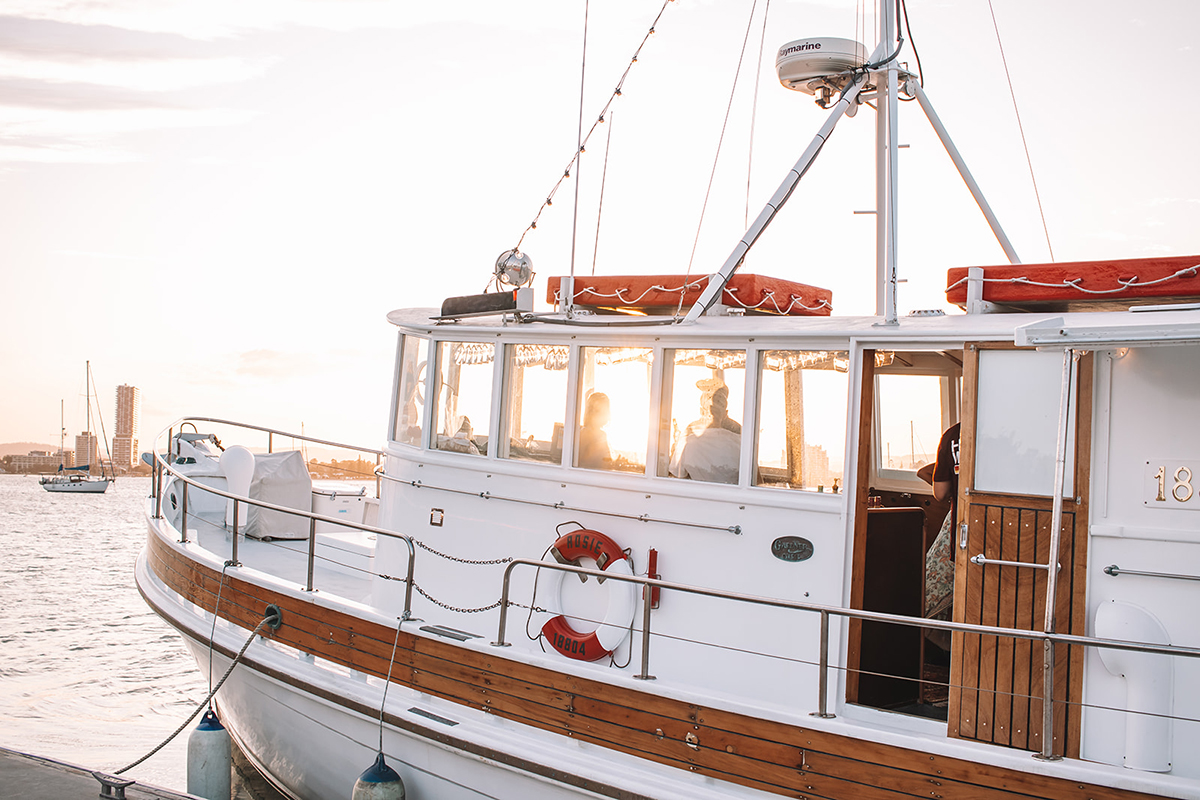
x,y
21,448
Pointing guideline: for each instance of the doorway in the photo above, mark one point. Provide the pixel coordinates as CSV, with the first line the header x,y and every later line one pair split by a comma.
x,y
1009,443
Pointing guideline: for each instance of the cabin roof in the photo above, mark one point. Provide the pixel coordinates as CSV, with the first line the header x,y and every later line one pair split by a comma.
x,y
1082,329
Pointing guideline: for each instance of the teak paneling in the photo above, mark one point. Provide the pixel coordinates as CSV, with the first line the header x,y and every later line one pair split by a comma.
x,y
996,683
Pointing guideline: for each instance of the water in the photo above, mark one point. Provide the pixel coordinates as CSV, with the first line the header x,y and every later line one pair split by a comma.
x,y
88,674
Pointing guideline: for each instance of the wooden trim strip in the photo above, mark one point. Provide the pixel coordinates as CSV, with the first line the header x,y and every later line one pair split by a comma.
x,y
771,756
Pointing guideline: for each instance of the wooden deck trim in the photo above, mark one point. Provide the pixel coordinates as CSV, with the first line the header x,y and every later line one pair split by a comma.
x,y
775,757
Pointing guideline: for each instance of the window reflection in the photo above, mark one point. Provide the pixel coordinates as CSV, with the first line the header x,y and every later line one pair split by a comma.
x,y
410,398
536,402
613,408
464,396
802,419
700,435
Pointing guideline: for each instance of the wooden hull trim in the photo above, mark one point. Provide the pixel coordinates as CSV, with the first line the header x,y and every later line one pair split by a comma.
x,y
755,753
399,723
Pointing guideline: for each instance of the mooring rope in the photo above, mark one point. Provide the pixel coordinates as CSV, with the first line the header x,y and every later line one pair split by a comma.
x,y
269,619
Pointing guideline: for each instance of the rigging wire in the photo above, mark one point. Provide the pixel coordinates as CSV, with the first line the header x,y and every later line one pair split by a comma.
x,y
913,44
603,180
1028,159
578,150
754,111
717,156
103,435
549,201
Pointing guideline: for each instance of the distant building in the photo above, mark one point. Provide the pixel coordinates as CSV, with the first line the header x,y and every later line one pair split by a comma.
x,y
125,437
123,450
87,450
42,461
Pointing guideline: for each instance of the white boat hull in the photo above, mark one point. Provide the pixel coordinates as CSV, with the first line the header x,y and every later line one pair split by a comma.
x,y
89,486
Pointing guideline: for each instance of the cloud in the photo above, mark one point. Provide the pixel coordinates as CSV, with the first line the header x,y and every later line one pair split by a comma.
x,y
100,256
48,39
34,93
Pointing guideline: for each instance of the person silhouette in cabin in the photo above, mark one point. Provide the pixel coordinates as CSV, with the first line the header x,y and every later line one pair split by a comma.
x,y
939,560
593,441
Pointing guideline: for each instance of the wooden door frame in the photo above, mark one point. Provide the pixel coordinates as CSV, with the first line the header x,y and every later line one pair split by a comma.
x,y
862,488
1072,579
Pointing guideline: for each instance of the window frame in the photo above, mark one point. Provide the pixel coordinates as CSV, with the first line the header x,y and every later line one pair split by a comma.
x,y
751,461
397,379
433,408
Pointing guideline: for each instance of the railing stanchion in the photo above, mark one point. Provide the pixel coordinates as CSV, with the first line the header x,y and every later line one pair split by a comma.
x,y
183,515
234,555
158,478
647,602
408,586
1047,753
823,674
312,550
377,481
270,441
503,607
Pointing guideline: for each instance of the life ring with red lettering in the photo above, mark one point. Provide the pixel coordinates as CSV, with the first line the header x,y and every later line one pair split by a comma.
x,y
597,644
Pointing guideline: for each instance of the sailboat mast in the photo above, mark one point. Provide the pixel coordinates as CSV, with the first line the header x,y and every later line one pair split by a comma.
x,y
886,158
87,390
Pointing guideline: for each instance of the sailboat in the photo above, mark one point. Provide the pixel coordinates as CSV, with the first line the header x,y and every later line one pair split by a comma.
x,y
78,479
617,550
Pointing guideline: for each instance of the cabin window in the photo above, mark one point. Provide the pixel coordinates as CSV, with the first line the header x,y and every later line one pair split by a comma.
x,y
802,419
464,396
536,402
1016,439
700,431
410,394
614,403
916,400
910,420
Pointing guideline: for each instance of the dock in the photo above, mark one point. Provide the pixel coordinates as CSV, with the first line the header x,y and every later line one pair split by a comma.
x,y
31,777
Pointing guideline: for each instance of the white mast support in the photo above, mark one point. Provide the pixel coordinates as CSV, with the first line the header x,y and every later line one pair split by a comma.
x,y
893,117
886,157
881,196
915,88
1069,369
719,279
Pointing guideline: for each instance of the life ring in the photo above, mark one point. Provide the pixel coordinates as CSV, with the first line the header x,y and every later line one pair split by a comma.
x,y
609,557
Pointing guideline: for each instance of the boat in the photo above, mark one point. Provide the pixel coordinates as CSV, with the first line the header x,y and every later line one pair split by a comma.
x,y
79,479
664,541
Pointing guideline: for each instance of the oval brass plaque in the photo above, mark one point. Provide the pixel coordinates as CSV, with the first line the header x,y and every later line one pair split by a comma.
x,y
792,548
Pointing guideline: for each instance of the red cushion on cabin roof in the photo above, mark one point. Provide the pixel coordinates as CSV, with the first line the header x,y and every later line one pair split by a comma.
x,y
752,292
1179,276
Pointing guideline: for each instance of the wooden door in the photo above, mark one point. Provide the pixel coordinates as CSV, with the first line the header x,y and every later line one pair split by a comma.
x,y
996,682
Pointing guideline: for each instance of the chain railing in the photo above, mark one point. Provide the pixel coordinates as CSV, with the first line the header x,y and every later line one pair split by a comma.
x,y
825,612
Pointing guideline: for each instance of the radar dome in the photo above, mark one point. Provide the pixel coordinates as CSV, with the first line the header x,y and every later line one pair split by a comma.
x,y
806,64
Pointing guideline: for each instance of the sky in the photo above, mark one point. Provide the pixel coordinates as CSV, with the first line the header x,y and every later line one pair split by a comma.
x,y
220,201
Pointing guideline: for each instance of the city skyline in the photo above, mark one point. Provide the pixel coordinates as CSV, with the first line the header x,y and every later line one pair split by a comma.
x,y
121,452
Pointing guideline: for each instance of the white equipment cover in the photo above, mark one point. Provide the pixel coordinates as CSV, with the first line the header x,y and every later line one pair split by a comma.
x,y
283,480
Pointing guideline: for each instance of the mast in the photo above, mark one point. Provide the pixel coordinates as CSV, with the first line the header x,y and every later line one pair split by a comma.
x,y
87,391
886,156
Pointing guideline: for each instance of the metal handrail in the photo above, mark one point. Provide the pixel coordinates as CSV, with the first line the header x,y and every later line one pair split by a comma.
x,y
1047,638
981,560
559,506
1114,570
161,464
275,432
